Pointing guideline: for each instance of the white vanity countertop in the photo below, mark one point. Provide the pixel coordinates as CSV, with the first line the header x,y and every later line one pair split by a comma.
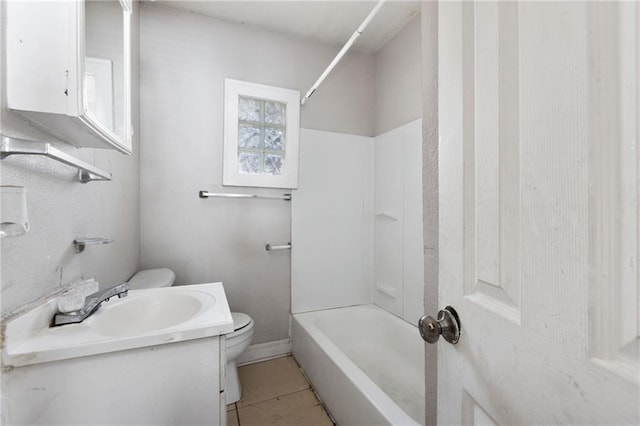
x,y
143,318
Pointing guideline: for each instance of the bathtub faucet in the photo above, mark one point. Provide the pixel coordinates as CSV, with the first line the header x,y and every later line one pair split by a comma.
x,y
91,304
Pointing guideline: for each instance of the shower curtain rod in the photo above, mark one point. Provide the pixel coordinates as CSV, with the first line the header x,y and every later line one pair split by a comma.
x,y
357,33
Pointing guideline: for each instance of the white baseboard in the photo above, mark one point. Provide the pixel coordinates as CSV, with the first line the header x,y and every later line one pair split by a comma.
x,y
265,351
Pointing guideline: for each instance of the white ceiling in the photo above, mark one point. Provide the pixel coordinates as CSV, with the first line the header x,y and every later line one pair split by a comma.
x,y
330,22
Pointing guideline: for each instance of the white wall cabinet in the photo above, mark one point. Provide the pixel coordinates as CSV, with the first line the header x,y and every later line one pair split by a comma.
x,y
69,69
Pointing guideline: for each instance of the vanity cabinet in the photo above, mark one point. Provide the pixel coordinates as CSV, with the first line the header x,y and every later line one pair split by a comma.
x,y
171,384
69,69
155,357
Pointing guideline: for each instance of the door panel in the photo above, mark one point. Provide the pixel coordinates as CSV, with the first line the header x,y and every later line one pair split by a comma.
x,y
491,157
538,224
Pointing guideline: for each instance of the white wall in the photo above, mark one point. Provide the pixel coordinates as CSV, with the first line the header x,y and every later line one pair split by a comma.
x,y
331,222
398,254
61,209
398,79
357,222
335,203
185,58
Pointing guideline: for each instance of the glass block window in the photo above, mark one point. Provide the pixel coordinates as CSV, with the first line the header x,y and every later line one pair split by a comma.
x,y
261,135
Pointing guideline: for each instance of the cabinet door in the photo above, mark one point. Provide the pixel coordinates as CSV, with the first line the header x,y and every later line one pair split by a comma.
x,y
170,384
42,62
69,69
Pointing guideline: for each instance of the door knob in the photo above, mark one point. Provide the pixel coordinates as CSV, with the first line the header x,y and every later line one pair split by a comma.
x,y
447,325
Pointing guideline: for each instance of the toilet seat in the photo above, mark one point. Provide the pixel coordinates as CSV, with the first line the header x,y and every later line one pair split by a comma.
x,y
242,323
240,320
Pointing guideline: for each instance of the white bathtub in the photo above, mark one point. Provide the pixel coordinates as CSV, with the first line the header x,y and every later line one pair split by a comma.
x,y
366,364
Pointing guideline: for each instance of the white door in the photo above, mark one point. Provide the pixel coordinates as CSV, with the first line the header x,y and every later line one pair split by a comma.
x,y
539,218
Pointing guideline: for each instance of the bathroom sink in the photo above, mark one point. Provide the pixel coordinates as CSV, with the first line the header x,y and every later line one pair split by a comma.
x,y
144,318
142,312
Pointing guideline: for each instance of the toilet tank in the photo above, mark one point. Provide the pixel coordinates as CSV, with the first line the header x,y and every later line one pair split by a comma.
x,y
152,278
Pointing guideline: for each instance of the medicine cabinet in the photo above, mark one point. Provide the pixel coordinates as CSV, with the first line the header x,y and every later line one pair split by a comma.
x,y
69,69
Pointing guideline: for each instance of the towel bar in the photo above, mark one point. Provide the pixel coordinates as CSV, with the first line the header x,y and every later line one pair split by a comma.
x,y
86,172
206,194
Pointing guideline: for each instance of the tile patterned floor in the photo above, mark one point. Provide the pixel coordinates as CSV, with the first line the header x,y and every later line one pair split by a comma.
x,y
276,393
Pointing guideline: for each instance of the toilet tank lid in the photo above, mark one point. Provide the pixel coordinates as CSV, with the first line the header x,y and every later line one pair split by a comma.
x,y
152,278
240,320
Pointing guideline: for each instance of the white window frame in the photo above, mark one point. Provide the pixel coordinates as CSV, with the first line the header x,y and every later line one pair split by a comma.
x,y
233,89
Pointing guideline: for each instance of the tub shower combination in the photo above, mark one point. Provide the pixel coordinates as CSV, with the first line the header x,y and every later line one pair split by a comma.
x,y
366,364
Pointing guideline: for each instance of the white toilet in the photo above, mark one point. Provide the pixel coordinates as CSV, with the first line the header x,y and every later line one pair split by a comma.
x,y
152,278
237,341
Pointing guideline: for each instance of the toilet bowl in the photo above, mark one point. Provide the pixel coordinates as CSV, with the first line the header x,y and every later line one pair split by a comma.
x,y
237,341
152,278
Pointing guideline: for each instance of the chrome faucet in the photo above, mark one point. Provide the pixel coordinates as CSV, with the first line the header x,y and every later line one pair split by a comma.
x,y
91,304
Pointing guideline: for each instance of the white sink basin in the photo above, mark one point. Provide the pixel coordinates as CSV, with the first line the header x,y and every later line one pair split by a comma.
x,y
143,318
141,313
